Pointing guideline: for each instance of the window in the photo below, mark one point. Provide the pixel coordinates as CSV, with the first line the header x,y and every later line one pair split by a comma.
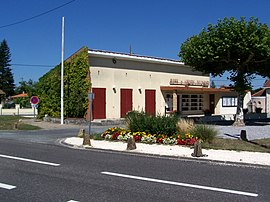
x,y
192,102
229,101
169,102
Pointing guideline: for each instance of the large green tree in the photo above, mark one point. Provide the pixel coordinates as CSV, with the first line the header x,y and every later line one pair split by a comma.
x,y
240,47
6,76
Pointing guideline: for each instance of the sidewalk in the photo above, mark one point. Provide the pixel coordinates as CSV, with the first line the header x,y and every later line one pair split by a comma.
x,y
256,158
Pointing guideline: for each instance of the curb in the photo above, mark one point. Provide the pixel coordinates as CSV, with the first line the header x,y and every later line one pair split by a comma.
x,y
184,158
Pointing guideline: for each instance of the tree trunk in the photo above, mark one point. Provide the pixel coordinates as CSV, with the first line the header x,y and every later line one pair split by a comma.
x,y
239,116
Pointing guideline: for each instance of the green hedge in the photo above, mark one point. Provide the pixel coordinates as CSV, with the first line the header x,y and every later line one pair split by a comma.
x,y
76,87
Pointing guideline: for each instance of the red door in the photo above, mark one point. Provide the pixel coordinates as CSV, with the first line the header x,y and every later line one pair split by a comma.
x,y
126,101
99,103
150,102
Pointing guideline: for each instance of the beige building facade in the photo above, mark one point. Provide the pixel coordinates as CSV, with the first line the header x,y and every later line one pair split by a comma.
x,y
123,82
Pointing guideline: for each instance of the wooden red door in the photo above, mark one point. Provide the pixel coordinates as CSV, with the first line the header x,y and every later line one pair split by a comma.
x,y
99,103
150,102
125,101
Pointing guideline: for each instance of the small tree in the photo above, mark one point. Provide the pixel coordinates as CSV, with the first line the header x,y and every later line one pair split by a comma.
x,y
239,47
28,87
6,76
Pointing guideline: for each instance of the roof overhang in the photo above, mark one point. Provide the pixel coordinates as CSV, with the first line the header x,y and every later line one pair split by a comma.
x,y
107,54
195,89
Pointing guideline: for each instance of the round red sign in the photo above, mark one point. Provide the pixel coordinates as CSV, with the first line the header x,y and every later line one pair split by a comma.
x,y
34,100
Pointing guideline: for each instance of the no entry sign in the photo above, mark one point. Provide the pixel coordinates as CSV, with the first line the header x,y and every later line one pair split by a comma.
x,y
34,100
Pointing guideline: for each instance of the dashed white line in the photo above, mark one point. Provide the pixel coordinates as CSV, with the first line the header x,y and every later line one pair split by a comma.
x,y
7,186
29,160
72,201
182,184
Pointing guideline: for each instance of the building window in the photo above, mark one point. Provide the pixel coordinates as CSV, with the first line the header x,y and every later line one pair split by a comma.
x,y
229,101
192,102
169,102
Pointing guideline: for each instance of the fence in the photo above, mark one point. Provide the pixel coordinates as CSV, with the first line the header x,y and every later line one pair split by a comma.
x,y
18,111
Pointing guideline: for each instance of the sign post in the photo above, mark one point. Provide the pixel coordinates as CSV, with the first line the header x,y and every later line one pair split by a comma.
x,y
91,97
34,101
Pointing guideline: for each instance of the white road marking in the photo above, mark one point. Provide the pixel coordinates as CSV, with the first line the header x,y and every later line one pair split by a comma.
x,y
29,160
181,184
7,186
72,201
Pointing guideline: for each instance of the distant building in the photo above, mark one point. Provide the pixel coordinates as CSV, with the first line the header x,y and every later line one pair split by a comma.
x,y
260,101
2,94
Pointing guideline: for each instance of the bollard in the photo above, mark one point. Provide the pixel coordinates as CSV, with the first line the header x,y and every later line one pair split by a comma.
x,y
81,133
16,125
86,138
243,135
198,149
131,145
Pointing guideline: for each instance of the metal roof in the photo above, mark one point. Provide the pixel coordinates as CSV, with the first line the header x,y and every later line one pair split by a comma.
x,y
110,54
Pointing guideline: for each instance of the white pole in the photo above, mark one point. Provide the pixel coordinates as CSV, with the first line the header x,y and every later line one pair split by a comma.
x,y
62,74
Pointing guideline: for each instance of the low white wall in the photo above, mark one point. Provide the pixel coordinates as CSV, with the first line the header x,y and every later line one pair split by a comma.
x,y
18,111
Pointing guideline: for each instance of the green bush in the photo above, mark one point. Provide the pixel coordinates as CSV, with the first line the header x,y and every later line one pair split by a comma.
x,y
206,132
142,122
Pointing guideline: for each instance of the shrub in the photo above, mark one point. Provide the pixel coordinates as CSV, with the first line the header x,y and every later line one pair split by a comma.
x,y
205,132
142,122
184,126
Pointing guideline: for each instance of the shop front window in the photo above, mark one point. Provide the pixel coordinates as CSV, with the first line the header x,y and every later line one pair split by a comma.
x,y
191,102
229,101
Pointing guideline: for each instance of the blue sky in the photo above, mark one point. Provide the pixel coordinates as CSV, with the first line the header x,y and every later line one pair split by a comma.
x,y
153,28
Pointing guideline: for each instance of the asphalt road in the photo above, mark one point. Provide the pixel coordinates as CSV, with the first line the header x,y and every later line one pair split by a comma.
x,y
50,172
47,136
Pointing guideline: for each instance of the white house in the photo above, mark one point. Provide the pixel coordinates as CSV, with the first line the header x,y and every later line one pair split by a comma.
x,y
261,99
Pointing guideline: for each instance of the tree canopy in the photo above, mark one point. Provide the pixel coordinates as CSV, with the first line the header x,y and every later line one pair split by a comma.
x,y
239,47
6,76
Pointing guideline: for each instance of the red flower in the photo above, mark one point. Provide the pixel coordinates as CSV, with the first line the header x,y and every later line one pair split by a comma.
x,y
137,138
159,140
115,135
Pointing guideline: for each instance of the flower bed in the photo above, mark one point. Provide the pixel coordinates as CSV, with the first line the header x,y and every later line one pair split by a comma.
x,y
122,134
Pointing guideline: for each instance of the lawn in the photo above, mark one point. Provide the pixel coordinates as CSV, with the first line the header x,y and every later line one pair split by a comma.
x,y
260,145
8,123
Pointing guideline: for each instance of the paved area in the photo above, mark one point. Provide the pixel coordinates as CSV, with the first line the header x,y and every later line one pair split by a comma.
x,y
255,130
259,131
49,125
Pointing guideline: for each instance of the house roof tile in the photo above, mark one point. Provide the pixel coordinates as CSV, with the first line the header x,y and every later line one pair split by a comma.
x,y
259,93
267,84
20,95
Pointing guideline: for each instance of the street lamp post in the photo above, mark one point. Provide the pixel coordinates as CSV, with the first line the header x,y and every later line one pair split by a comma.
x,y
62,74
